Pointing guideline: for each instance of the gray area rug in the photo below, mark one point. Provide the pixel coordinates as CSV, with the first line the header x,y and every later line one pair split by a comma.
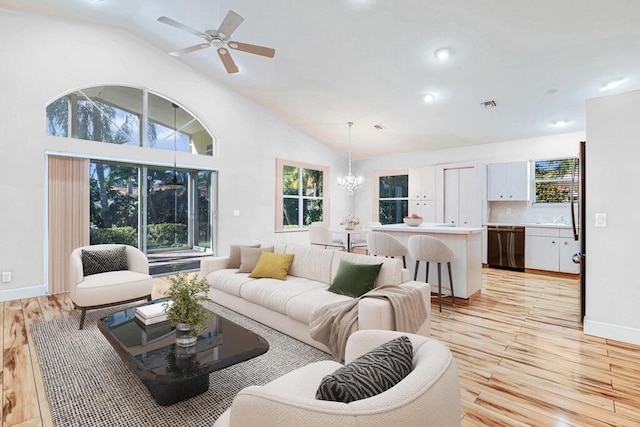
x,y
88,385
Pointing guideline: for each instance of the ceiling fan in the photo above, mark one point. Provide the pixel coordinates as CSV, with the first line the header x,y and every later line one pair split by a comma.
x,y
220,39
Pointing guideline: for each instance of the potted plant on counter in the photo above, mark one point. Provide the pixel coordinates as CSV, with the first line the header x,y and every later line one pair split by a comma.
x,y
187,312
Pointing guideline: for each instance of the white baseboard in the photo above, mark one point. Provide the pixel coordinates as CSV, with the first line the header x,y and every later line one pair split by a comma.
x,y
19,293
611,331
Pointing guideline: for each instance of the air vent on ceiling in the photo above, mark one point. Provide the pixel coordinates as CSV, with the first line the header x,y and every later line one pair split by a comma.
x,y
379,127
489,104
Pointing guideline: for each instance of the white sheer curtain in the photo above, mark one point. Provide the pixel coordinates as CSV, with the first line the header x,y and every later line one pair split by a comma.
x,y
68,218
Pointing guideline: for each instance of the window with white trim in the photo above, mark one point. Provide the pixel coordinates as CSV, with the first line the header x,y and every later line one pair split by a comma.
x,y
553,181
301,196
392,196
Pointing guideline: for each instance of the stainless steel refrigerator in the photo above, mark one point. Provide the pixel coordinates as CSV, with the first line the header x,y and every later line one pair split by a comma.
x,y
578,220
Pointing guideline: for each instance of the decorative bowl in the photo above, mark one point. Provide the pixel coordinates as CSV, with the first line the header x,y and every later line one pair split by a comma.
x,y
412,222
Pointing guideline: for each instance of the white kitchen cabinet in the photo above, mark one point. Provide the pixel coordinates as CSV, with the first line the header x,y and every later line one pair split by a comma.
x,y
424,208
550,249
508,181
541,252
422,183
462,197
568,247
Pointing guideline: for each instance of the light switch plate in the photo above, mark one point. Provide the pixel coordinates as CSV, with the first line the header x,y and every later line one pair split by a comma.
x,y
601,220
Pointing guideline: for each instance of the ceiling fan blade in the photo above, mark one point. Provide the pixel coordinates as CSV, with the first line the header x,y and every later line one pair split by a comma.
x,y
230,24
252,48
227,60
190,49
183,27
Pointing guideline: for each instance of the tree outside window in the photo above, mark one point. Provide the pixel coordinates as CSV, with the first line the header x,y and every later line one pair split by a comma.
x,y
393,196
301,194
553,181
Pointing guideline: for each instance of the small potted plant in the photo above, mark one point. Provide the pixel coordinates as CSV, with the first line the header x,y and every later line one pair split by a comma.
x,y
187,312
350,221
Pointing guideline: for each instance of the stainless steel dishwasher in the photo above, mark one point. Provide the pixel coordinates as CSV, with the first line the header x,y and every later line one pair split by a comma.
x,y
506,247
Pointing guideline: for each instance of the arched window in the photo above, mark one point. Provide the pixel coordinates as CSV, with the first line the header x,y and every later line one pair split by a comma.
x,y
128,116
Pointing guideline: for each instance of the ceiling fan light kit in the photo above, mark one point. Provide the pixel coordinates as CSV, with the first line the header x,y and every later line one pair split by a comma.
x,y
220,39
350,182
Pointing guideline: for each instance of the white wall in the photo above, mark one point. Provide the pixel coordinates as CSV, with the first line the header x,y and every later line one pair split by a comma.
x,y
547,147
42,58
612,153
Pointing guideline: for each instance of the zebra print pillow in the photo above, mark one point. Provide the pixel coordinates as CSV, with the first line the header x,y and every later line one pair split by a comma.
x,y
94,262
370,374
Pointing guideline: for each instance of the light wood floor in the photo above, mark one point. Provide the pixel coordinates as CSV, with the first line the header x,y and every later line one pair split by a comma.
x,y
521,355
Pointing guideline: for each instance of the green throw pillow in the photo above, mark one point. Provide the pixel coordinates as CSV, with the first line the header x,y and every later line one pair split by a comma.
x,y
354,279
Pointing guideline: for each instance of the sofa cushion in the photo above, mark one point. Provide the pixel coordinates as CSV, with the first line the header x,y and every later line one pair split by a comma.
x,y
234,254
311,263
274,294
302,307
390,273
354,279
103,261
228,281
370,374
249,258
270,265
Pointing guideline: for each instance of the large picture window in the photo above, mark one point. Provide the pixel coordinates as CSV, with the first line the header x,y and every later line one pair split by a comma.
x,y
552,181
127,116
301,194
392,199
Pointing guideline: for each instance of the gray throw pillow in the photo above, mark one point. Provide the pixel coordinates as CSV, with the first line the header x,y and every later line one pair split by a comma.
x,y
234,254
370,374
249,258
102,261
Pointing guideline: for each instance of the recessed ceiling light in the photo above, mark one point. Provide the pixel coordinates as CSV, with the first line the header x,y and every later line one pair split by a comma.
x,y
429,97
612,84
561,123
443,54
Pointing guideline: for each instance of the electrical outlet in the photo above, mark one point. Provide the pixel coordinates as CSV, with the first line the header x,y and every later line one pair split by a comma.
x,y
236,212
6,276
508,211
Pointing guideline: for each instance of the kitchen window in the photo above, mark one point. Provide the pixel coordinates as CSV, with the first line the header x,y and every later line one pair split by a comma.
x,y
552,181
392,196
301,197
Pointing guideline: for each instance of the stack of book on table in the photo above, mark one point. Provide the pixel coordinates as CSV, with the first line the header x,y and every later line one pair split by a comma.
x,y
152,314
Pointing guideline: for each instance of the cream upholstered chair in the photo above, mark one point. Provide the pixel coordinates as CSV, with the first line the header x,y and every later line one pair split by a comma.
x,y
430,249
320,235
360,241
111,287
382,244
428,396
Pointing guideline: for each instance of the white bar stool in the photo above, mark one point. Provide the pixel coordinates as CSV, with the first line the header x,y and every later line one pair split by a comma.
x,y
429,249
386,245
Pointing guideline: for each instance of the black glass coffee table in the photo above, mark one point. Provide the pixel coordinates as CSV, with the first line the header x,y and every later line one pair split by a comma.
x,y
173,373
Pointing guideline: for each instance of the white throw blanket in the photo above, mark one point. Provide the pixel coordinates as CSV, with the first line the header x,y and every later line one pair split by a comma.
x,y
333,324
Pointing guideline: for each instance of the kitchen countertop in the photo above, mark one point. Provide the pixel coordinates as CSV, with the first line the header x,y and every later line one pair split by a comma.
x,y
427,227
530,224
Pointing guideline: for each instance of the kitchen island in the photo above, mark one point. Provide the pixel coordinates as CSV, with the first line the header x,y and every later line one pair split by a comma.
x,y
466,244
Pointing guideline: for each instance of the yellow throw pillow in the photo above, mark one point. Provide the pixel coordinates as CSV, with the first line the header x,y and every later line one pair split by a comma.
x,y
275,266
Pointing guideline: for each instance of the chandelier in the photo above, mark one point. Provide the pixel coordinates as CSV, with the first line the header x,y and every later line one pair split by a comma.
x,y
350,182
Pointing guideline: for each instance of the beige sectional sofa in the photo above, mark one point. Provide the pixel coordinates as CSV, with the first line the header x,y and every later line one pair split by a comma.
x,y
288,305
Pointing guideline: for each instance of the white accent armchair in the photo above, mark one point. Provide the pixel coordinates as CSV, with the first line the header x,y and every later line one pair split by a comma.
x,y
428,396
112,287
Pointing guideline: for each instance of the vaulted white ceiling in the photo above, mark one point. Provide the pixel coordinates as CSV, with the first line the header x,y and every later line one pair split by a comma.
x,y
372,62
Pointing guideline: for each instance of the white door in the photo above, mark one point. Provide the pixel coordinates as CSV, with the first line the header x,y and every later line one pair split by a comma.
x,y
451,196
496,181
468,198
568,247
428,182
